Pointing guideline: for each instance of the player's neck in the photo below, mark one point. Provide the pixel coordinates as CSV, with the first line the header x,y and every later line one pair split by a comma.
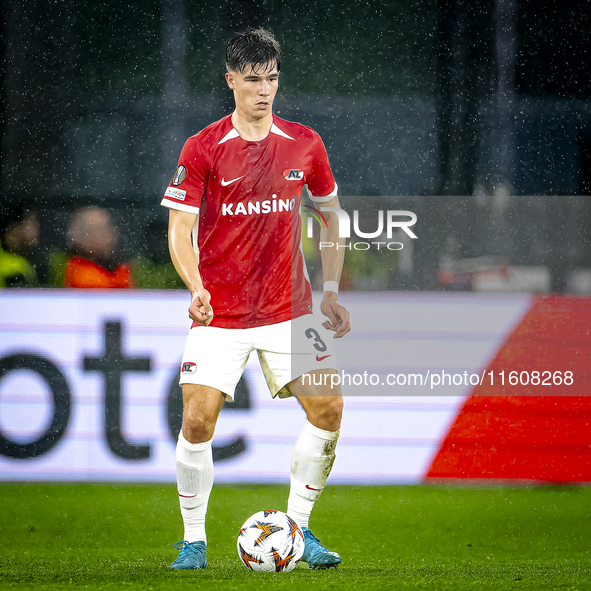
x,y
252,130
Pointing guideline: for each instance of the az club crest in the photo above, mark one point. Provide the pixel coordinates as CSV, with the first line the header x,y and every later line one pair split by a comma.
x,y
293,174
189,367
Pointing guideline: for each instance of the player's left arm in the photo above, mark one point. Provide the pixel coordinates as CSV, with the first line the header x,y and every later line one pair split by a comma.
x,y
333,258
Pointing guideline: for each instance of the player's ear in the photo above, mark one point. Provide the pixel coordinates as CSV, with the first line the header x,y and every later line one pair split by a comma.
x,y
230,80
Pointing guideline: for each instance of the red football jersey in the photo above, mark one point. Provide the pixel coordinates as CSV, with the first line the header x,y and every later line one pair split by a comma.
x,y
248,231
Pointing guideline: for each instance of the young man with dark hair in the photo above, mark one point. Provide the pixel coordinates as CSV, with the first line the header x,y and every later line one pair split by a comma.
x,y
235,240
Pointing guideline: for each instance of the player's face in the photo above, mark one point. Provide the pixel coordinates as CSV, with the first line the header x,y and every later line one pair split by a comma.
x,y
254,90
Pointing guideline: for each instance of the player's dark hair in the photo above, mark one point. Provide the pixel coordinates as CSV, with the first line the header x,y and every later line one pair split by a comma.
x,y
254,49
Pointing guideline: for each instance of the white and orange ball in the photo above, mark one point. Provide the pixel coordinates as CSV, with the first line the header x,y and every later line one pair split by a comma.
x,y
270,541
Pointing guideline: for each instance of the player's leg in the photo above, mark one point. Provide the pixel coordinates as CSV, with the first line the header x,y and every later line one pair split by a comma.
x,y
313,364
212,364
194,468
313,458
202,405
289,352
323,403
314,452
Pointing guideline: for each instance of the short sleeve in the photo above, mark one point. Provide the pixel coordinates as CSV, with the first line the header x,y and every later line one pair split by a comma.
x,y
188,183
320,181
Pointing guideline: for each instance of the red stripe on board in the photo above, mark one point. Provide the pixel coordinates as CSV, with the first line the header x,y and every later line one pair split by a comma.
x,y
519,431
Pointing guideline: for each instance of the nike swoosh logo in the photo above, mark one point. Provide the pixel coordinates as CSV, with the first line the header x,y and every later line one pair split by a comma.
x,y
312,488
226,183
321,358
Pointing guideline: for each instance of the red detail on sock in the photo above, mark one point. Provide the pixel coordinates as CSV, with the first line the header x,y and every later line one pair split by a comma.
x,y
187,496
312,488
523,434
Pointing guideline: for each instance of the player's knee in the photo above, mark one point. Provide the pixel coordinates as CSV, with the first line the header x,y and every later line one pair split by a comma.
x,y
197,428
327,415
336,409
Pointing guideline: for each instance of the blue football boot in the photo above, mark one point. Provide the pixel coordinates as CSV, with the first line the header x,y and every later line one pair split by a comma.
x,y
317,555
192,555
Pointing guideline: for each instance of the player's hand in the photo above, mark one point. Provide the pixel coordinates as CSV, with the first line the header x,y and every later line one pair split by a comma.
x,y
338,317
200,309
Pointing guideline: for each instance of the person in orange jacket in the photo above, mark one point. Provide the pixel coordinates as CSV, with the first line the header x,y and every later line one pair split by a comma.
x,y
93,262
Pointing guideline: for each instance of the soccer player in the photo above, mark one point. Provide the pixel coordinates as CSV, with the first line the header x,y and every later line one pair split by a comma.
x,y
235,240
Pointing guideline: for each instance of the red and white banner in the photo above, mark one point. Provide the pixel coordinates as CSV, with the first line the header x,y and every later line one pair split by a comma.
x,y
513,431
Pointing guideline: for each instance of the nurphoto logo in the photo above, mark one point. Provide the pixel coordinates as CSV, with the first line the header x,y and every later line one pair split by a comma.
x,y
392,220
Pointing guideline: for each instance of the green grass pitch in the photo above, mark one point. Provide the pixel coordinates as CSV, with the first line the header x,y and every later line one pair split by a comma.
x,y
84,536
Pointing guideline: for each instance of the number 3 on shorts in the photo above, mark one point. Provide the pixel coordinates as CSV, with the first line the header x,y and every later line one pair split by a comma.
x,y
319,344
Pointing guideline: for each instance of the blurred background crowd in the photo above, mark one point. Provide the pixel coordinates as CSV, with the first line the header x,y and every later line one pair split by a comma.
x,y
473,114
89,253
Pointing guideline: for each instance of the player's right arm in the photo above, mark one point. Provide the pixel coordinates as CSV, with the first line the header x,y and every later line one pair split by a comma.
x,y
186,262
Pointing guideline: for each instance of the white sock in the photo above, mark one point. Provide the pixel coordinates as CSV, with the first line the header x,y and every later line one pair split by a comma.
x,y
311,463
194,474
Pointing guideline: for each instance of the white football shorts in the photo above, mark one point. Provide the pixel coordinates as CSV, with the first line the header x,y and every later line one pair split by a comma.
x,y
216,357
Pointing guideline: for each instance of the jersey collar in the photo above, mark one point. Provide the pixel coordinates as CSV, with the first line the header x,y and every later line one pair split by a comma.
x,y
276,130
234,134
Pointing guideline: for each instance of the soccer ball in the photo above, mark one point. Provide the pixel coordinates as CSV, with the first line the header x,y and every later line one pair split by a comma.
x,y
270,541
